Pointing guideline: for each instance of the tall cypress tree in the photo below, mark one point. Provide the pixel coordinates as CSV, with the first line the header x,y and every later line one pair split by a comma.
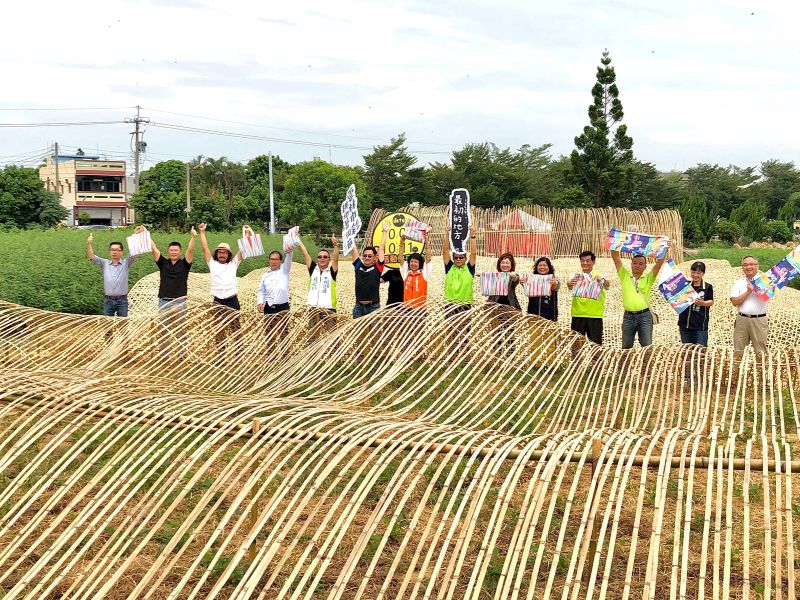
x,y
602,159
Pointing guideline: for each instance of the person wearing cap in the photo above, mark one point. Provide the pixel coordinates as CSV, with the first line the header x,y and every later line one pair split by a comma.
x,y
222,265
693,322
751,321
636,286
459,275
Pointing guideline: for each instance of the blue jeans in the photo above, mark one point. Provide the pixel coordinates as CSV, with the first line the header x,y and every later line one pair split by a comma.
x,y
694,336
633,325
176,303
362,310
117,308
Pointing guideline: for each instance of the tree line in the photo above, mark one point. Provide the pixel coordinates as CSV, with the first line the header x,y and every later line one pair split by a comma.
x,y
734,203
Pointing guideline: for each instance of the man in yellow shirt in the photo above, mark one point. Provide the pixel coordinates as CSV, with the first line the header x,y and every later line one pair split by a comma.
x,y
636,287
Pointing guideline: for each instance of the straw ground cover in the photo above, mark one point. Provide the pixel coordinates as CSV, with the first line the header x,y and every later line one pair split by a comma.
x,y
489,456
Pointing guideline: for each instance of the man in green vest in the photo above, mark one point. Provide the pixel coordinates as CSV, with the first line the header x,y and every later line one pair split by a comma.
x,y
636,287
459,275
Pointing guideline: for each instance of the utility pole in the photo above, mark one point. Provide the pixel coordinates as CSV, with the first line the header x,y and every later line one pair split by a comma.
x,y
188,190
55,160
138,146
271,199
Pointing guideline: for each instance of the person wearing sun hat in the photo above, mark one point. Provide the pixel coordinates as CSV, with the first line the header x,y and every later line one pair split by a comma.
x,y
222,265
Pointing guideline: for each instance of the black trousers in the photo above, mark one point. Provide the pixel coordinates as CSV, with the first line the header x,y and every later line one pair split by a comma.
x,y
275,308
591,327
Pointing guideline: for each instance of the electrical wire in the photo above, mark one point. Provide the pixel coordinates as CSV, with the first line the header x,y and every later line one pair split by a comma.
x,y
339,135
61,124
250,136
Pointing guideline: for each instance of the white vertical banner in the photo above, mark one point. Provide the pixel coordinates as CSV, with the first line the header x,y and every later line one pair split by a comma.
x,y
460,221
351,222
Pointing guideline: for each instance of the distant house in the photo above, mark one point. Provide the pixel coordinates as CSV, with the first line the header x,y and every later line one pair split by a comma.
x,y
797,226
89,185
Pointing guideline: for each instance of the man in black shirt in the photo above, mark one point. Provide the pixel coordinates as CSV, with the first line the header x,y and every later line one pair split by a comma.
x,y
174,271
368,277
693,322
172,290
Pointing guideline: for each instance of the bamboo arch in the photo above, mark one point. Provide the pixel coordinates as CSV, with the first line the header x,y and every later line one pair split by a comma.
x,y
393,456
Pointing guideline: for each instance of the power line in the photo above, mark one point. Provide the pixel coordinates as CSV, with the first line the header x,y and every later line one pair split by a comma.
x,y
69,109
251,136
339,135
61,124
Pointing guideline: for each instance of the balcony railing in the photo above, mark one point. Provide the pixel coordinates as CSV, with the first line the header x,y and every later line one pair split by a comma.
x,y
100,197
99,165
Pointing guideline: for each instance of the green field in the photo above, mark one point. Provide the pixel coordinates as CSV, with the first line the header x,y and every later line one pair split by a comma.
x,y
48,269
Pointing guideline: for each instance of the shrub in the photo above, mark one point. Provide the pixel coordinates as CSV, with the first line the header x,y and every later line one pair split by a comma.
x,y
777,231
728,231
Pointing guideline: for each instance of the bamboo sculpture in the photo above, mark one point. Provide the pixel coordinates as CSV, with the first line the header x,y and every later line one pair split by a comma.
x,y
395,456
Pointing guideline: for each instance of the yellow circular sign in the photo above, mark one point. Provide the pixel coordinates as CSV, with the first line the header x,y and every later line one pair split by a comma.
x,y
394,254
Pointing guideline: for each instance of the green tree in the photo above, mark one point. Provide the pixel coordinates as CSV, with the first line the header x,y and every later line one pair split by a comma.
x,y
314,194
496,177
390,176
51,211
790,211
722,187
571,197
161,199
166,176
650,188
221,177
209,210
728,231
697,221
779,181
777,231
601,161
24,199
750,216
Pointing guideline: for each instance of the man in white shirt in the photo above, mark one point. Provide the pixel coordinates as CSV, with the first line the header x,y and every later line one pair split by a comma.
x,y
273,292
751,321
222,265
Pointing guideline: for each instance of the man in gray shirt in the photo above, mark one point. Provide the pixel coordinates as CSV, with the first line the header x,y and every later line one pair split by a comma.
x,y
115,278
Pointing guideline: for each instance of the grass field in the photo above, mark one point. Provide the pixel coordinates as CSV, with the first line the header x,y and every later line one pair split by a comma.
x,y
48,269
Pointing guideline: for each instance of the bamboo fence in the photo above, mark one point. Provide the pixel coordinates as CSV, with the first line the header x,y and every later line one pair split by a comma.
x,y
572,230
491,455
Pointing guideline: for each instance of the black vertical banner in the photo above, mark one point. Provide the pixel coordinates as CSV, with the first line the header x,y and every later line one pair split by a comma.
x,y
459,220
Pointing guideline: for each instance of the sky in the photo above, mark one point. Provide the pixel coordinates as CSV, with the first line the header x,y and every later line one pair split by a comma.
x,y
700,81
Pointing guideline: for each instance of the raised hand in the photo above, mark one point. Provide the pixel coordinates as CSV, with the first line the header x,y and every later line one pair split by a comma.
x,y
201,227
90,239
194,232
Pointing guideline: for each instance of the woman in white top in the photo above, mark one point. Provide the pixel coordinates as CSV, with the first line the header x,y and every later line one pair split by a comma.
x,y
273,292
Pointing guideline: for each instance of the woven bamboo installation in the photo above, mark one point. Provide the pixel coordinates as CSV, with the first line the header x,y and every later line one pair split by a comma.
x,y
211,454
570,230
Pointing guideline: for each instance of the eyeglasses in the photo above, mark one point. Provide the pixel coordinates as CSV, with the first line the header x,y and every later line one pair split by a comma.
x,y
321,256
368,255
459,257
